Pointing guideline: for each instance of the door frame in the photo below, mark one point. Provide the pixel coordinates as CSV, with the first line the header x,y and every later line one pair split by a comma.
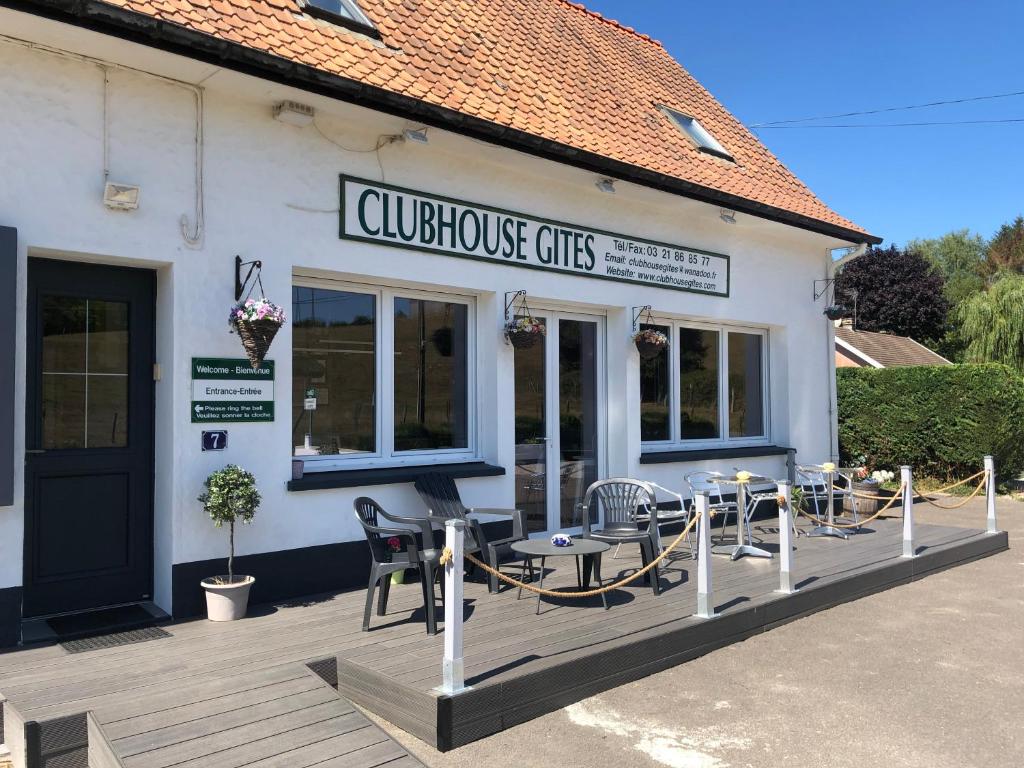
x,y
33,419
553,313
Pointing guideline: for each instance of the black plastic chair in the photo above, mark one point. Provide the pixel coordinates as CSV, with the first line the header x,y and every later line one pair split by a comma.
x,y
624,500
395,549
441,496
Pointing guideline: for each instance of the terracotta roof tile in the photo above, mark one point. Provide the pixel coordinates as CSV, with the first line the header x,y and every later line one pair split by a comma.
x,y
550,68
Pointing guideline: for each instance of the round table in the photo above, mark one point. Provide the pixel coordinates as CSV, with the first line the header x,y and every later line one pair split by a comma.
x,y
588,549
743,546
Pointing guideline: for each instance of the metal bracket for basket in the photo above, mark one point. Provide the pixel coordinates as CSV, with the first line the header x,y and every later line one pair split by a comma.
x,y
510,301
825,284
239,282
639,312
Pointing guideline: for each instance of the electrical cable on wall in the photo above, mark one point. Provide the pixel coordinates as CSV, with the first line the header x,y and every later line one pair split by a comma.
x,y
106,123
193,235
194,238
382,141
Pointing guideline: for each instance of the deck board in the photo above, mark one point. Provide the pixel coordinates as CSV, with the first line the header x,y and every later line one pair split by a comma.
x,y
240,694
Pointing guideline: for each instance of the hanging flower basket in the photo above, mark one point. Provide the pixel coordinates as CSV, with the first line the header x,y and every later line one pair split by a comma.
x,y
523,332
835,312
256,321
650,343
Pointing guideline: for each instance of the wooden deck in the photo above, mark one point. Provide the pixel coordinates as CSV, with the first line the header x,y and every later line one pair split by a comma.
x,y
259,692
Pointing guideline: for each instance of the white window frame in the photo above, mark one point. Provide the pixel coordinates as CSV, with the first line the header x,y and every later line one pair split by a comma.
x,y
675,441
384,412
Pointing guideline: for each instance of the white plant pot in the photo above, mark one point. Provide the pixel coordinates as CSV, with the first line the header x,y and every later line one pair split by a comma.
x,y
227,602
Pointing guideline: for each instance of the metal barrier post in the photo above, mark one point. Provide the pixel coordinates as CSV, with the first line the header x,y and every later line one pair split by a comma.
x,y
906,476
990,494
452,672
786,540
705,607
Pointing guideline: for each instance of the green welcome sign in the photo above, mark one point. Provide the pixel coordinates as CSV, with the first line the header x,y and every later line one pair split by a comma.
x,y
380,213
231,390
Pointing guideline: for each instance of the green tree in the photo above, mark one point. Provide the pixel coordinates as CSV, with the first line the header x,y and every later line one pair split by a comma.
x,y
958,256
992,323
1006,250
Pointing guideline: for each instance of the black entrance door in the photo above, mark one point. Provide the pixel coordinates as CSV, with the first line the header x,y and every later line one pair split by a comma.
x,y
89,436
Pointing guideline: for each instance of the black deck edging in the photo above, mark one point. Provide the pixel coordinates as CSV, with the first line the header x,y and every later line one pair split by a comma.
x,y
490,708
59,743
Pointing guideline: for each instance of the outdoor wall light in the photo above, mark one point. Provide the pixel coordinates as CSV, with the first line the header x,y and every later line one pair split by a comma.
x,y
606,185
293,113
121,197
729,217
418,135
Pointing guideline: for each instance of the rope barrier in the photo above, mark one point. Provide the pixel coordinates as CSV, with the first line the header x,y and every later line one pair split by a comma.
x,y
875,497
966,480
960,503
446,553
858,524
871,496
446,556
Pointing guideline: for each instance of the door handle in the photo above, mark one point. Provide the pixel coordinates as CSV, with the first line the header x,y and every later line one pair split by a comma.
x,y
35,450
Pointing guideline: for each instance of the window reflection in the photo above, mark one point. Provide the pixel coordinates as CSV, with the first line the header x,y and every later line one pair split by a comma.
x,y
698,384
655,419
746,399
84,373
333,362
431,375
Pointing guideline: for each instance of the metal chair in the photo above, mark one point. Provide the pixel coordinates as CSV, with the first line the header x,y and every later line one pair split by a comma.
x,y
669,513
845,494
620,499
396,549
441,496
814,483
707,482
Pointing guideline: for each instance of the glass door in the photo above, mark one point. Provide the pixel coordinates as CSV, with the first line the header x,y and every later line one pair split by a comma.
x,y
558,420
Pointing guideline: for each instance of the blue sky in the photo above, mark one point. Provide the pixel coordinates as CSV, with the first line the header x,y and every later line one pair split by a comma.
x,y
781,60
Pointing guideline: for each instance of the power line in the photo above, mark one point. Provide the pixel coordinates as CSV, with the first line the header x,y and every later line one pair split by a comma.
x,y
887,109
901,125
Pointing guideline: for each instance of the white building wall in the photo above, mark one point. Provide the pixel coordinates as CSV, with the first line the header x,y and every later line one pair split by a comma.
x,y
271,193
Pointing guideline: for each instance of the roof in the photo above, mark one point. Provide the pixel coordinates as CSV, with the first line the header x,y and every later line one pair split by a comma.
x,y
543,73
883,350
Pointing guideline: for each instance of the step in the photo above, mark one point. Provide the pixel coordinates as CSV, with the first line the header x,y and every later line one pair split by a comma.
x,y
277,721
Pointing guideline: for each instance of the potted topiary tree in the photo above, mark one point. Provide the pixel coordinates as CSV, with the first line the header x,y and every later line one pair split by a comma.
x,y
230,495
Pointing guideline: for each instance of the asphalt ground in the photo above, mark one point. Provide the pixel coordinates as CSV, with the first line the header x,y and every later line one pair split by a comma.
x,y
926,675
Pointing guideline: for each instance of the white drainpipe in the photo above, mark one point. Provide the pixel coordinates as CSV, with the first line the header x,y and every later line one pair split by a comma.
x,y
830,354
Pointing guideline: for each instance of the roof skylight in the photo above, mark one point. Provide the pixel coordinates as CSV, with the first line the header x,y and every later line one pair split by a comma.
x,y
345,13
698,133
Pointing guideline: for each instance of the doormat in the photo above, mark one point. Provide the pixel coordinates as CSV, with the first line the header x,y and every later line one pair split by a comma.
x,y
98,642
102,622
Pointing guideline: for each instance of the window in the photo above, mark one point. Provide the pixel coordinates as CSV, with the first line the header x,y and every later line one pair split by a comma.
x,y
698,133
345,13
380,375
430,375
708,387
655,393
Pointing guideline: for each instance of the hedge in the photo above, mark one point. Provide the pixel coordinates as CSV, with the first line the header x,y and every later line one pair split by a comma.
x,y
941,420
